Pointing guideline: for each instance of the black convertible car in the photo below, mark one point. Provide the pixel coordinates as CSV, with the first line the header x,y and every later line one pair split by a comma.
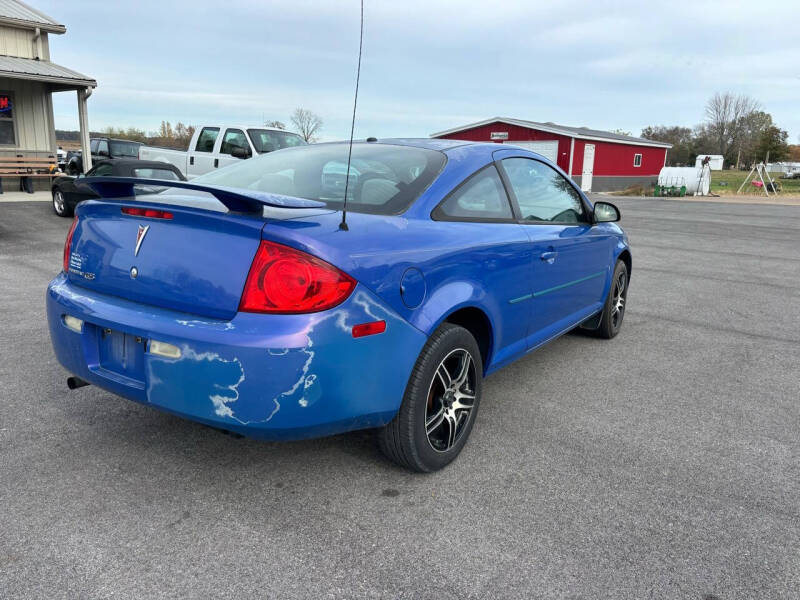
x,y
68,191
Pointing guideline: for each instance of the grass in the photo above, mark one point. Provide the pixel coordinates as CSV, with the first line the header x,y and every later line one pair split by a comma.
x,y
634,190
727,182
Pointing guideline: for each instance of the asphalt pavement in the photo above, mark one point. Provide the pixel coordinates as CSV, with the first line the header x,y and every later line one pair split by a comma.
x,y
662,464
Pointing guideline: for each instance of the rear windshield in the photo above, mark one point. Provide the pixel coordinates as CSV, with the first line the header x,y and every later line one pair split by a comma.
x,y
156,174
266,140
119,149
384,179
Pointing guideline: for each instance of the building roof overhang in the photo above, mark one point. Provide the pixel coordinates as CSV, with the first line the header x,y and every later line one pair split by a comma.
x,y
30,69
581,133
18,14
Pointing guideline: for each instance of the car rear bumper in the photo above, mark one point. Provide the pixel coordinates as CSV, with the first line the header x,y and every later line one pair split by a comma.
x,y
264,376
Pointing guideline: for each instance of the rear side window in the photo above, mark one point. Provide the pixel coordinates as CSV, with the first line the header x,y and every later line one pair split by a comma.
x,y
482,197
101,170
130,149
234,138
155,174
542,193
206,139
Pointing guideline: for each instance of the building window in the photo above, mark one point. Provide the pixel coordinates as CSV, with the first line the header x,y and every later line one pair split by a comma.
x,y
8,135
637,160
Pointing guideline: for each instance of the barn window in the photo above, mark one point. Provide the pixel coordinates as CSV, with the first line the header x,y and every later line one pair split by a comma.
x,y
637,160
8,135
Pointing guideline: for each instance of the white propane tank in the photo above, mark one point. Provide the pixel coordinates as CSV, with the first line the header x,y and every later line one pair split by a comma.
x,y
696,179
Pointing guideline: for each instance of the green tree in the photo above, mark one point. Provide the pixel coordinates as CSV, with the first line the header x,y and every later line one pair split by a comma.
x,y
683,149
773,145
752,128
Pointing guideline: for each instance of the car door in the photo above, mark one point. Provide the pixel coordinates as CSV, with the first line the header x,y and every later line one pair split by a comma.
x,y
79,192
489,246
201,157
571,257
233,138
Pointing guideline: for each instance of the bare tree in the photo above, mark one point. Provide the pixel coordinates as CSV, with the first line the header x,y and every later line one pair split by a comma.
x,y
276,124
726,116
307,123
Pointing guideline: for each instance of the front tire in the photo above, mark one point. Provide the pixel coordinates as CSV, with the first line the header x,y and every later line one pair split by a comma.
x,y
440,403
60,205
614,309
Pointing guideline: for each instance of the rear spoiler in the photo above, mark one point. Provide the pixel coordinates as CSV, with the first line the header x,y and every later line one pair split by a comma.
x,y
234,199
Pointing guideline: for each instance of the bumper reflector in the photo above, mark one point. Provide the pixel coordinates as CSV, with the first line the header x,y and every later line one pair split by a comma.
x,y
164,349
369,329
73,323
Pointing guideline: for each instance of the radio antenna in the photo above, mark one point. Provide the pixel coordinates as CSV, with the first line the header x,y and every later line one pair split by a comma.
x,y
343,225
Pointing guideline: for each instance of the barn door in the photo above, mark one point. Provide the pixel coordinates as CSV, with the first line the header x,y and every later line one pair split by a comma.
x,y
548,149
588,167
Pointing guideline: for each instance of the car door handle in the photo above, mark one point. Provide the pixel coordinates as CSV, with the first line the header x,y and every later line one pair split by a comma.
x,y
216,163
191,160
548,257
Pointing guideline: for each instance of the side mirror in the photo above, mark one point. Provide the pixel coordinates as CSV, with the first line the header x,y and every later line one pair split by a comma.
x,y
240,152
605,212
103,153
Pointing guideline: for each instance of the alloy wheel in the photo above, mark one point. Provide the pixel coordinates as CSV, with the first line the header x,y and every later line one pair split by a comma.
x,y
58,202
618,299
451,398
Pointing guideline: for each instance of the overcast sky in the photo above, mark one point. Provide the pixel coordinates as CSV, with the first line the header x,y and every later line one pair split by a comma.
x,y
428,64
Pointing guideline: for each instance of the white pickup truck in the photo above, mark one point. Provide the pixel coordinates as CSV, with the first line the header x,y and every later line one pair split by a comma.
x,y
215,146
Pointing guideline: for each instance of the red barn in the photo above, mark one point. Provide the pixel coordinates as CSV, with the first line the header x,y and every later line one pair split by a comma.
x,y
598,161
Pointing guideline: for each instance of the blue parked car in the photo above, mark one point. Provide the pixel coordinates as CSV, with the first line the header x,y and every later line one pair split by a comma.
x,y
239,300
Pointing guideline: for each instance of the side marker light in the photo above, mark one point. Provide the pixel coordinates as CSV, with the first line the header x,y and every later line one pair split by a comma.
x,y
369,329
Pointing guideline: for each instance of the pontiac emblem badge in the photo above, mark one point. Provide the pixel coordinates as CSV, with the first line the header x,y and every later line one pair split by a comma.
x,y
140,238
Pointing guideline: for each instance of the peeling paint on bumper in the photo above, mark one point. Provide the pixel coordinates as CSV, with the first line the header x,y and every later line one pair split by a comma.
x,y
264,376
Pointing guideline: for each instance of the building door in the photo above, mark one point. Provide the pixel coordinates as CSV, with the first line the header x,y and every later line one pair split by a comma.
x,y
588,167
547,149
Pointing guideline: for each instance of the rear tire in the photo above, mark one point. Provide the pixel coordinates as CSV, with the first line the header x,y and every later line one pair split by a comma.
x,y
60,205
440,404
614,308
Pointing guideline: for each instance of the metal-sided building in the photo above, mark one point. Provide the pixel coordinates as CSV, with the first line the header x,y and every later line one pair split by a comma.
x,y
27,81
598,161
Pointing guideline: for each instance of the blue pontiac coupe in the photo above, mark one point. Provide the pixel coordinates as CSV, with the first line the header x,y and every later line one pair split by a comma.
x,y
240,300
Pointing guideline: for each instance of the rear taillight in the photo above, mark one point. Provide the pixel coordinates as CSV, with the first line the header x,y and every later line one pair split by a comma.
x,y
150,213
285,280
68,244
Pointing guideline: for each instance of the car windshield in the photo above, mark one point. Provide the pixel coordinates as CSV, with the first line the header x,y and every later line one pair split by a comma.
x,y
267,140
384,179
118,149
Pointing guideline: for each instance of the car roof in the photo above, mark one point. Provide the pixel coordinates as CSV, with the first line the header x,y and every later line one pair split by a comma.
x,y
427,143
240,126
110,139
135,162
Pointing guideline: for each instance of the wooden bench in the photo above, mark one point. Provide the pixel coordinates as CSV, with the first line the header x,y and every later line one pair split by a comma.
x,y
26,167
